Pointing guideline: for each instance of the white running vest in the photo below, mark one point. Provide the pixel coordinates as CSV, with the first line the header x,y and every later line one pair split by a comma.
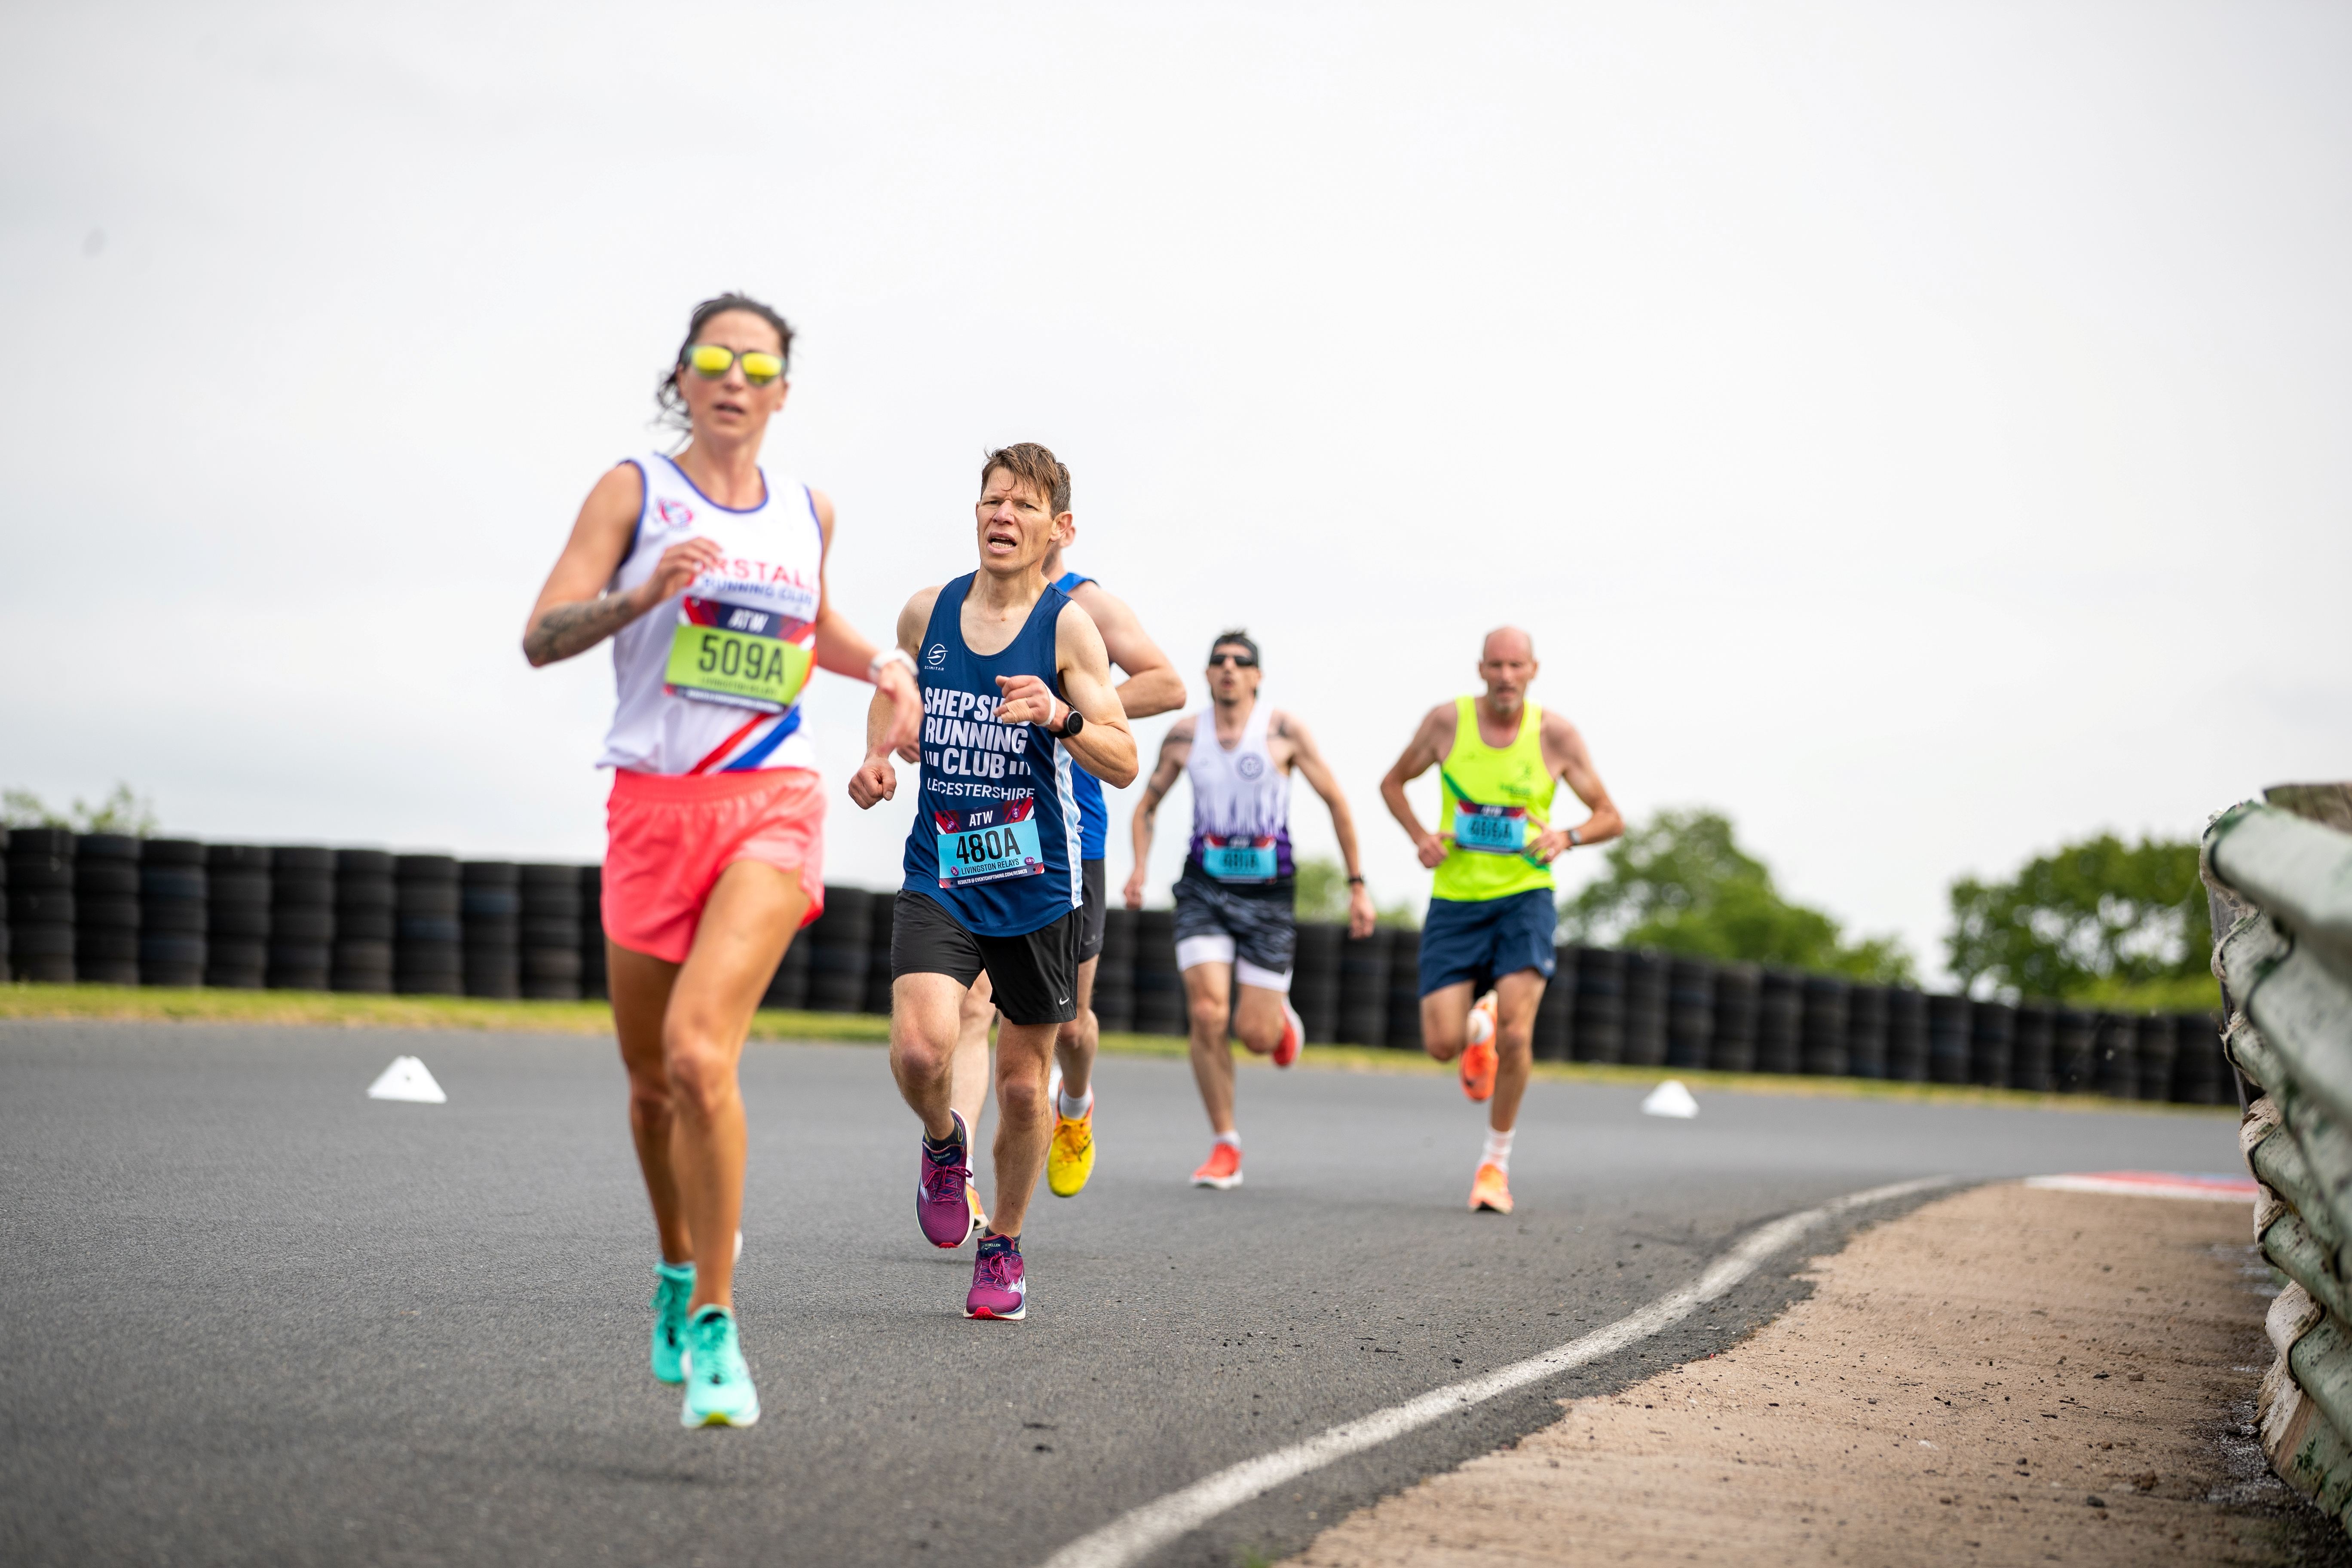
x,y
1241,802
758,609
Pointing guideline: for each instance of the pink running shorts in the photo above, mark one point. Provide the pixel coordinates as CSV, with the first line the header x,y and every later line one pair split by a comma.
x,y
670,836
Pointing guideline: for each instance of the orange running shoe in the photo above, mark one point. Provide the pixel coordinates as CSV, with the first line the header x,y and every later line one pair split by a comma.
x,y
1221,1170
1478,1058
1490,1190
1294,1036
978,1214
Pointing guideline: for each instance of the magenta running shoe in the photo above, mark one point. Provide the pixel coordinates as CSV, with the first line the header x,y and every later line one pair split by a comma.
x,y
998,1288
945,1213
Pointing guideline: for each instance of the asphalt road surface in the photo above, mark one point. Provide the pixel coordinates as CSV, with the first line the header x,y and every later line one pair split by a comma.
x,y
251,1316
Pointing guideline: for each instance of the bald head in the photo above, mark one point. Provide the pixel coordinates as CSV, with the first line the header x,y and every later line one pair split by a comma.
x,y
1506,662
1509,643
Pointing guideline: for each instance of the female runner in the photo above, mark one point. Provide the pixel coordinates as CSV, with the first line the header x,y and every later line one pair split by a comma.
x,y
708,576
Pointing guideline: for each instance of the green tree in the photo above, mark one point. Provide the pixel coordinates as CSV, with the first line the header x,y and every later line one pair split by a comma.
x,y
2100,921
123,811
1322,890
1681,882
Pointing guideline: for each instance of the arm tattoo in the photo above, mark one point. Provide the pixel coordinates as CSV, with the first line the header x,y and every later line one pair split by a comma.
x,y
568,629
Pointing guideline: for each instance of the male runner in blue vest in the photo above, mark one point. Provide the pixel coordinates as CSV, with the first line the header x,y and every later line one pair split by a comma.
x,y
1152,686
1016,691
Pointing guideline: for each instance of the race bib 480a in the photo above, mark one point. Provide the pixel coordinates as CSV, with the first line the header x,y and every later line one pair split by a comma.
x,y
990,844
735,655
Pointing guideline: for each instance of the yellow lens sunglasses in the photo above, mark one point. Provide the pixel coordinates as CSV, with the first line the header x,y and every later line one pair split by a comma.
x,y
710,362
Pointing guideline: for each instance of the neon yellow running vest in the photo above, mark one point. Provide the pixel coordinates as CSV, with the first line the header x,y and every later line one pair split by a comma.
x,y
1496,803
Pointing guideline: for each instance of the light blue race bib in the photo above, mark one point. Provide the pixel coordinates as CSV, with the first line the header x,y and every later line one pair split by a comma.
x,y
1490,829
1238,859
990,848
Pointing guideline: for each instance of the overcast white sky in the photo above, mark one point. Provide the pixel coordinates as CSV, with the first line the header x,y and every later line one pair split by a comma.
x,y
1919,431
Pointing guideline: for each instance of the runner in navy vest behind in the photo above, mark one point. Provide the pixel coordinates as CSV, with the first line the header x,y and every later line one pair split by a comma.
x,y
1152,686
1016,693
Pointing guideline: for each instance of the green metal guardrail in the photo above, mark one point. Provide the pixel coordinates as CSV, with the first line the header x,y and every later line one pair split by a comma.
x,y
2281,877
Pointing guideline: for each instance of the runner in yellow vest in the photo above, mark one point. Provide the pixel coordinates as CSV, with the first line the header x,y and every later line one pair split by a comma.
x,y
1487,946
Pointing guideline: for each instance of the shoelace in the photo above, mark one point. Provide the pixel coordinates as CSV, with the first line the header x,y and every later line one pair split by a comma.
x,y
936,1178
708,1340
997,1267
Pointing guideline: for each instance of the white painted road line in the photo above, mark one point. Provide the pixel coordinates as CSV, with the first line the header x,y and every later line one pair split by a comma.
x,y
1131,1537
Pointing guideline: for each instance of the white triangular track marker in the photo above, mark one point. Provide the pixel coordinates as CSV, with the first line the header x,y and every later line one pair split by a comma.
x,y
1670,1099
406,1078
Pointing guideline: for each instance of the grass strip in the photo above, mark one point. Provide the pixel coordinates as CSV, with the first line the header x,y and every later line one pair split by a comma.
x,y
346,1010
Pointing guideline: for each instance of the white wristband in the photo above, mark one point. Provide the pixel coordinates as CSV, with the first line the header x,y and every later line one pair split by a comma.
x,y
882,660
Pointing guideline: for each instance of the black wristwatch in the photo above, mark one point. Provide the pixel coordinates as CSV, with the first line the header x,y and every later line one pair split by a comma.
x,y
1071,722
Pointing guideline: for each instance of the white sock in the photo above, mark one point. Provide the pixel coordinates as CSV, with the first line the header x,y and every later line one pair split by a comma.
x,y
1233,1138
1498,1150
1075,1107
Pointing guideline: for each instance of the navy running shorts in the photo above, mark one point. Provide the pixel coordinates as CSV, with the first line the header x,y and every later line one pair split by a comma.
x,y
1481,940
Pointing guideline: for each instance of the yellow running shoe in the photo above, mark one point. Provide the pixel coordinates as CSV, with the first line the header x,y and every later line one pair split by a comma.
x,y
978,1214
1071,1158
1490,1190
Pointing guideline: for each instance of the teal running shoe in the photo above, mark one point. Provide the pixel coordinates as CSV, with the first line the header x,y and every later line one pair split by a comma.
x,y
673,1288
719,1391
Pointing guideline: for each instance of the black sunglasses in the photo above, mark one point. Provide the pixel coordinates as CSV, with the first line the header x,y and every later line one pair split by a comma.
x,y
1238,660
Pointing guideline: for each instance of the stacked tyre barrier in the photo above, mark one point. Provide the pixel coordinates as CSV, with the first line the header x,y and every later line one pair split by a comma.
x,y
489,909
1822,1026
1404,988
103,908
1779,1020
1645,1009
1315,981
2282,887
550,937
1113,999
591,935
840,951
364,922
879,915
106,908
1363,990
1599,1017
173,896
1159,989
41,904
236,916
301,917
788,988
427,954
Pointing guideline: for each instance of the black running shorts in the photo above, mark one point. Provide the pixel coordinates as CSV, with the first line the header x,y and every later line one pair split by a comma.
x,y
1034,976
1247,924
1095,911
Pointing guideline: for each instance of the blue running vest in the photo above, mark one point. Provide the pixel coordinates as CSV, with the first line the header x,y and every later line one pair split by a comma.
x,y
1094,816
995,839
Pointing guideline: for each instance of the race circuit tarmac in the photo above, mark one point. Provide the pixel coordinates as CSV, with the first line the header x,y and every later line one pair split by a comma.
x,y
253,1316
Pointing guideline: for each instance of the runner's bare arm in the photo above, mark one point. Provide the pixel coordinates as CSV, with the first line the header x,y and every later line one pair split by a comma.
x,y
574,613
1104,745
1175,751
1565,756
1431,741
1152,684
876,779
1308,760
843,649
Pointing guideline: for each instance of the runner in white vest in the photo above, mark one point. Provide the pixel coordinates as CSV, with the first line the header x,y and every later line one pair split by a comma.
x,y
1234,918
708,576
